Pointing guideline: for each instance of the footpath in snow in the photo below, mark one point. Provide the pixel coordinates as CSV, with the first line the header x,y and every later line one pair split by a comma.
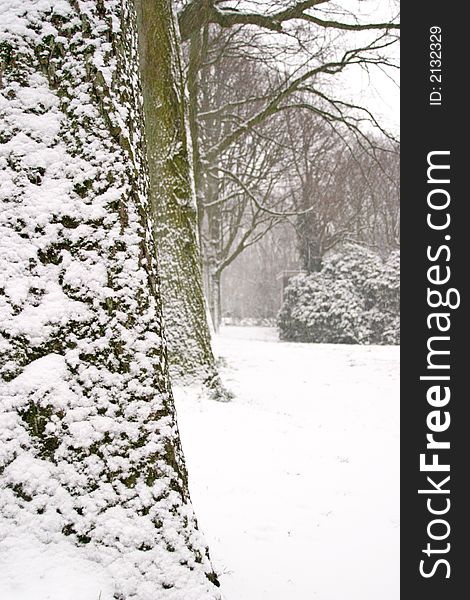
x,y
296,481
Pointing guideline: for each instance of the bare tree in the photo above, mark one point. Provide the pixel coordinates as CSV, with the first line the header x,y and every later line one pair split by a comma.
x,y
380,227
244,180
343,192
173,201
315,49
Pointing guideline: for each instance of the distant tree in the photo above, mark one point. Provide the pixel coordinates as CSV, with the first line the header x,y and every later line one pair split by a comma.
x,y
343,192
90,447
379,225
244,179
252,283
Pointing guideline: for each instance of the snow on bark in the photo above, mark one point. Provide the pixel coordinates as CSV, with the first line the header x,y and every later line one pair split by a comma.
x,y
90,450
172,196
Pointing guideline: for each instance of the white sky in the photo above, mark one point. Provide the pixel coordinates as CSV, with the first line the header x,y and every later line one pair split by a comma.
x,y
380,93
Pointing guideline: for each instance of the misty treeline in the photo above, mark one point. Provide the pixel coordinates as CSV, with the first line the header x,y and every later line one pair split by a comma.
x,y
139,150
349,199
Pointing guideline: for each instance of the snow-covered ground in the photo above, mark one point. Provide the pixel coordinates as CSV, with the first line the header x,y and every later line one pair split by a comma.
x,y
296,481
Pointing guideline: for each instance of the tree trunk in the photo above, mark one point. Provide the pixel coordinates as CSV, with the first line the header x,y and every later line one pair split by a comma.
x,y
214,296
314,261
173,197
90,450
309,243
212,248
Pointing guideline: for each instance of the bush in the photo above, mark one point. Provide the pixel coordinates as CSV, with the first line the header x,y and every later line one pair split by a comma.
x,y
353,300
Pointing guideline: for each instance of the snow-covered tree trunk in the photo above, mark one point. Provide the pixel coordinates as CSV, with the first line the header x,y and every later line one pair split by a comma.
x,y
214,296
173,197
89,447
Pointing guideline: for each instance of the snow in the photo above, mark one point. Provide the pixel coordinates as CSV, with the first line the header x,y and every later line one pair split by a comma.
x,y
295,482
80,336
89,449
54,572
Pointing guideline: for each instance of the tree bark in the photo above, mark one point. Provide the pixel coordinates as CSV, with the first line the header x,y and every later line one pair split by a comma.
x,y
172,195
90,446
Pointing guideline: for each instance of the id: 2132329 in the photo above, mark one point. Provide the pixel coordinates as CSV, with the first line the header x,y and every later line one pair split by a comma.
x,y
435,65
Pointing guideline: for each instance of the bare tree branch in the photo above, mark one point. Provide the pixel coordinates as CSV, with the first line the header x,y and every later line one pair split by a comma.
x,y
199,13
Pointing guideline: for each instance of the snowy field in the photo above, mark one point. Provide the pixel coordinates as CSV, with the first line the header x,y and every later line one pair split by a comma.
x,y
296,481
